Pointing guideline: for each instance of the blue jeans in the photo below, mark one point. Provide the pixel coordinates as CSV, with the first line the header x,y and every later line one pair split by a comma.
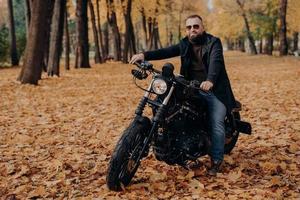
x,y
216,113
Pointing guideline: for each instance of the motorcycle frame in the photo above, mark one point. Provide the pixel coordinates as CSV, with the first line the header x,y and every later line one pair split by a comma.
x,y
158,117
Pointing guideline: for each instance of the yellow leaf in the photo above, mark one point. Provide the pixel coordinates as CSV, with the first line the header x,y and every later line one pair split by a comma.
x,y
275,181
190,175
196,186
157,177
293,148
234,176
37,192
229,160
160,186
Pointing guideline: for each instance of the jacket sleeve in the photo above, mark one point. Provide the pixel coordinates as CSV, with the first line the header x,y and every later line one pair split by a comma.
x,y
216,61
163,53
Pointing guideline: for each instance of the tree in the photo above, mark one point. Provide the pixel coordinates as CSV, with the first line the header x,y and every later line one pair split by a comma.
x,y
95,31
283,45
112,20
56,37
103,48
32,67
249,34
3,43
129,42
293,18
82,48
179,21
67,41
154,39
12,33
264,17
226,22
144,25
27,15
295,41
50,7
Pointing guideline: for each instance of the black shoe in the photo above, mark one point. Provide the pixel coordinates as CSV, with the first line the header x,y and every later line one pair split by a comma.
x,y
215,167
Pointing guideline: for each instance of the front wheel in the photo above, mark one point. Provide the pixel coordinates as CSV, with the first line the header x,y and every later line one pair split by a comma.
x,y
124,163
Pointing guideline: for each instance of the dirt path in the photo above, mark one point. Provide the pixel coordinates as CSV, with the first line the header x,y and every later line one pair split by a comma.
x,y
56,138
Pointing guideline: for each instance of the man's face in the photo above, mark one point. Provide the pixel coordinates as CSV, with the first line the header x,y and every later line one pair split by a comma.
x,y
194,27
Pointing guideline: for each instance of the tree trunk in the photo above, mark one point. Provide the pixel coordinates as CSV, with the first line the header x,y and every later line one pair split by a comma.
x,y
106,40
48,32
171,38
144,23
249,34
241,44
139,45
150,33
159,44
268,47
32,66
261,45
283,45
112,20
103,51
67,41
155,39
82,34
12,34
56,37
76,57
129,42
295,41
95,32
229,44
179,23
27,16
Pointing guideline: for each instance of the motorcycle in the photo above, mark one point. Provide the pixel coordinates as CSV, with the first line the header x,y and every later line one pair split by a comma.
x,y
178,131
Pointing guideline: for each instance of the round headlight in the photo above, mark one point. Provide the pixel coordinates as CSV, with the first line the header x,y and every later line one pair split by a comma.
x,y
159,86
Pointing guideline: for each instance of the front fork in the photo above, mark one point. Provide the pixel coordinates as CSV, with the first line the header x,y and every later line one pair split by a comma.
x,y
156,119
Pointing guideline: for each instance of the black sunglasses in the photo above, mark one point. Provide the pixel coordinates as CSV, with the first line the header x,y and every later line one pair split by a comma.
x,y
195,26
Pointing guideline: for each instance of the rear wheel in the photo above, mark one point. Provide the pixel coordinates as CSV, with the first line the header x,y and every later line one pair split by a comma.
x,y
231,135
124,163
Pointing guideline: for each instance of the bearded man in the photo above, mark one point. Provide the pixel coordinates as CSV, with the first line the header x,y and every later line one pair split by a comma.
x,y
202,59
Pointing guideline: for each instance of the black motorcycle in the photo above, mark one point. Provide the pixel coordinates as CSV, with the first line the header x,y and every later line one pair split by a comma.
x,y
177,132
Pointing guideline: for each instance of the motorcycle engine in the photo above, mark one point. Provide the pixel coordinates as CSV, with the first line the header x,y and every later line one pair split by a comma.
x,y
176,147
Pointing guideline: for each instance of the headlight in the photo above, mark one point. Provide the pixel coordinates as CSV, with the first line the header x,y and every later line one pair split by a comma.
x,y
159,86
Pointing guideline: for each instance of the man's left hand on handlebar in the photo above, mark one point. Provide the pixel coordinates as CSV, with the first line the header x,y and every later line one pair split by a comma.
x,y
137,57
206,85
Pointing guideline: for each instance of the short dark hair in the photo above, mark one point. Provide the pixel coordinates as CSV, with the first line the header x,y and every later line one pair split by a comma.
x,y
194,16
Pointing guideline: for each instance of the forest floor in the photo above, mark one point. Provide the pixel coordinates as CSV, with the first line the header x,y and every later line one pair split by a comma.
x,y
56,138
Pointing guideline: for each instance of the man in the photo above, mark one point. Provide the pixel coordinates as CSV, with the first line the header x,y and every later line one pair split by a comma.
x,y
202,59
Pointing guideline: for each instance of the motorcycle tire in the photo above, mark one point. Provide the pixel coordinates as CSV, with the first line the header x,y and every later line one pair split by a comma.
x,y
122,166
231,141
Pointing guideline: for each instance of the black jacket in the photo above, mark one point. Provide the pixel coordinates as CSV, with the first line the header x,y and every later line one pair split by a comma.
x,y
212,58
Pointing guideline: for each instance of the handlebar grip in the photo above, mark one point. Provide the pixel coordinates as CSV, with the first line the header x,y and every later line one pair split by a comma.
x,y
145,65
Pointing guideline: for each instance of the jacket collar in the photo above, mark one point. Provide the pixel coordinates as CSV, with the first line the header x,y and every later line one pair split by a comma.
x,y
187,44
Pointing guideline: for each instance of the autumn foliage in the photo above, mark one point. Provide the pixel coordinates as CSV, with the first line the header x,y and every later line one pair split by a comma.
x,y
57,138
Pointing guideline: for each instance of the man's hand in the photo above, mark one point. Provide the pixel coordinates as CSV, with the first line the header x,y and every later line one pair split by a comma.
x,y
137,57
206,85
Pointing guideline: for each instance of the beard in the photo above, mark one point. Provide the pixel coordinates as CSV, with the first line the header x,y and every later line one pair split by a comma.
x,y
197,39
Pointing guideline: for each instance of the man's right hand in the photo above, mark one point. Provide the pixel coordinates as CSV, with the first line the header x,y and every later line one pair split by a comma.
x,y
137,57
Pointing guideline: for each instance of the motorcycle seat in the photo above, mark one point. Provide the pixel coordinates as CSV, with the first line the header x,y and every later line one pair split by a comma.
x,y
238,107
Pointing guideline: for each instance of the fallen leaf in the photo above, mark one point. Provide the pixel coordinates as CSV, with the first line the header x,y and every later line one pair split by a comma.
x,y
234,176
37,192
196,186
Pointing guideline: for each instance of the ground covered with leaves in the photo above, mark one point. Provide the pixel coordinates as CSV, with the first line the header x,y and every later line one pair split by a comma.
x,y
56,138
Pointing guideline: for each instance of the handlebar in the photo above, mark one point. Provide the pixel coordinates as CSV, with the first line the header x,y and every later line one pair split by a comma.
x,y
147,66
